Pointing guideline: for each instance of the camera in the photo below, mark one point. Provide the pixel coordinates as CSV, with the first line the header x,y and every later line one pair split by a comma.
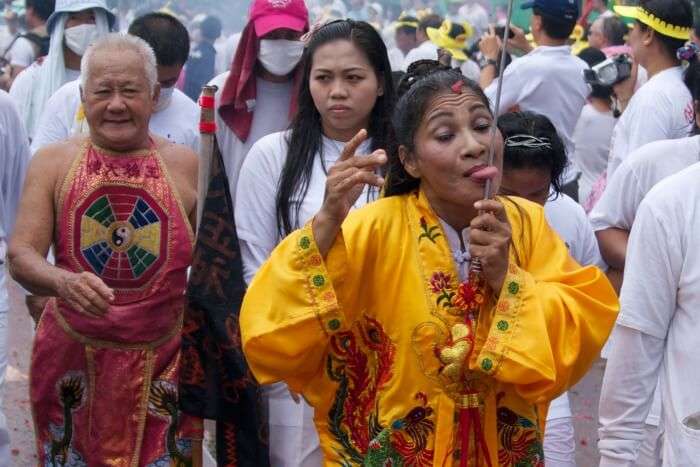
x,y
610,71
499,30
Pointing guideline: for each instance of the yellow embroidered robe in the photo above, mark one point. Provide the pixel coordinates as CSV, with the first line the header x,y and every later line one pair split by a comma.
x,y
368,334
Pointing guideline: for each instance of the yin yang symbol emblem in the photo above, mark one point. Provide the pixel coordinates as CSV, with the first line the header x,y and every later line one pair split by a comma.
x,y
121,236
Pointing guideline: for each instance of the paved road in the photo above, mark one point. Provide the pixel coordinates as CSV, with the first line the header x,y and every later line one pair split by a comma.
x,y
584,397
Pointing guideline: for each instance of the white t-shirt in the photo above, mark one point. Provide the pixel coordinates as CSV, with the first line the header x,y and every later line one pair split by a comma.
x,y
396,58
22,91
658,328
270,115
178,122
469,68
15,158
22,53
569,221
637,175
5,39
661,109
592,137
426,51
549,81
256,218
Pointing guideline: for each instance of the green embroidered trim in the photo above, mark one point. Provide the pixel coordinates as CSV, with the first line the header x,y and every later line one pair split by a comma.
x,y
318,286
513,288
319,281
505,322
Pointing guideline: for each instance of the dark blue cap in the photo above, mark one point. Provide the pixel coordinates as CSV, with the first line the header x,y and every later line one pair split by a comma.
x,y
564,9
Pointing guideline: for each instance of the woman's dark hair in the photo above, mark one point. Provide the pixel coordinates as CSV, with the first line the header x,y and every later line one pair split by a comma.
x,y
556,28
305,138
423,81
396,77
592,57
545,150
675,12
692,82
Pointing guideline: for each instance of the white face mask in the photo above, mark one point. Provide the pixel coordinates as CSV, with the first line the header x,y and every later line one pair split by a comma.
x,y
280,56
78,38
166,95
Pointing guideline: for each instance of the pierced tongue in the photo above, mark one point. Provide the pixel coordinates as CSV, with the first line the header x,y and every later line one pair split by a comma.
x,y
486,173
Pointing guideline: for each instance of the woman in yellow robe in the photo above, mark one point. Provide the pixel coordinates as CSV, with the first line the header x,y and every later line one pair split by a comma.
x,y
364,315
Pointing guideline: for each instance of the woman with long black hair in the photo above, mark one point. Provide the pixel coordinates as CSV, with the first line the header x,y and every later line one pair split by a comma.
x,y
347,87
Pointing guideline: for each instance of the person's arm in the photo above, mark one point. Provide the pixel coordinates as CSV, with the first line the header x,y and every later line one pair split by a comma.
x,y
490,46
512,86
519,41
615,276
550,320
613,216
648,300
31,241
613,246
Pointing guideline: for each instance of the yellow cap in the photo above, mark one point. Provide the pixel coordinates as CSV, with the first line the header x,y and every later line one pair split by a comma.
x,y
454,45
657,24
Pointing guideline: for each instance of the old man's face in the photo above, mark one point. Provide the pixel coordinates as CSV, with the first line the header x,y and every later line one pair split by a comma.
x,y
118,100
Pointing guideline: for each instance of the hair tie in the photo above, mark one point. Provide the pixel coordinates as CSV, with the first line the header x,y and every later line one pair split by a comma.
x,y
306,37
528,141
688,52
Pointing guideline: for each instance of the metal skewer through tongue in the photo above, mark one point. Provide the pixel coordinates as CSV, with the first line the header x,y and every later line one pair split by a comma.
x,y
488,187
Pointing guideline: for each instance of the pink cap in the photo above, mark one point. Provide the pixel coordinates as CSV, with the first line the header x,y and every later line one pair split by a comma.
x,y
268,15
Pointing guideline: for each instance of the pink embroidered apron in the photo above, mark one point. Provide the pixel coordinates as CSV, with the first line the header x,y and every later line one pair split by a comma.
x,y
104,390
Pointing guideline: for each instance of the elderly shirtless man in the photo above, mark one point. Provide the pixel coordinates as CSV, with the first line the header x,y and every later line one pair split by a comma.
x,y
118,208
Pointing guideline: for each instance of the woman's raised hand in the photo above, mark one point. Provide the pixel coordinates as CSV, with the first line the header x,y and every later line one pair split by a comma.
x,y
345,183
489,240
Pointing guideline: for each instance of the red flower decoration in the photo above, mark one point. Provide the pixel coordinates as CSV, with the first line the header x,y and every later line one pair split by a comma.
x,y
440,282
468,297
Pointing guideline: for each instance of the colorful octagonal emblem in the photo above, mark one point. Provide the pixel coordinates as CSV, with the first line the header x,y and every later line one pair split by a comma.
x,y
121,235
